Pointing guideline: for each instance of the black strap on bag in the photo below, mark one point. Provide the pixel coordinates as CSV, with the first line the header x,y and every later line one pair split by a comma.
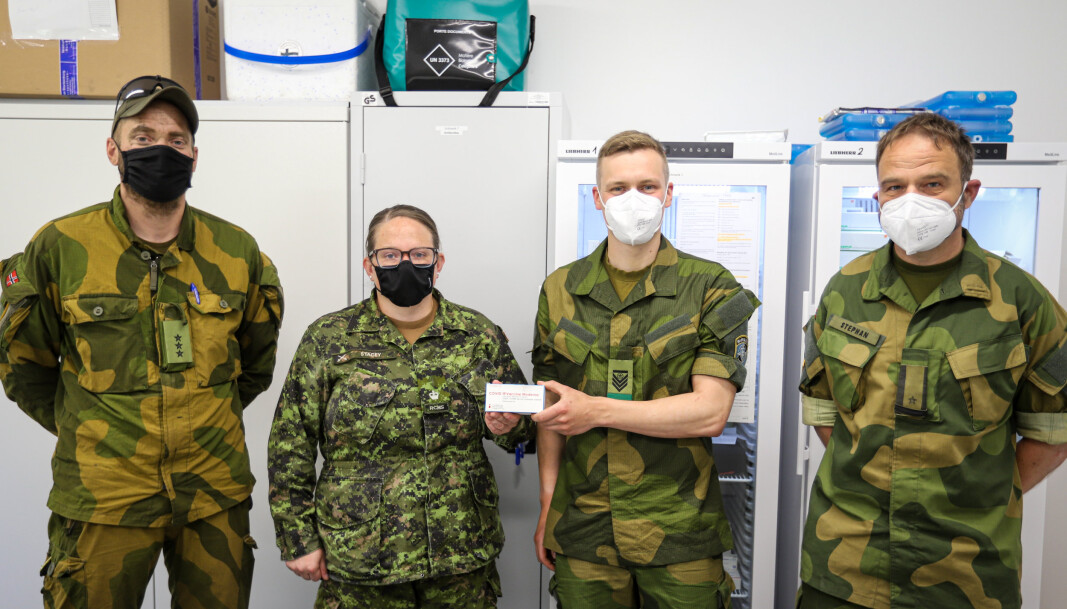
x,y
490,95
386,89
379,66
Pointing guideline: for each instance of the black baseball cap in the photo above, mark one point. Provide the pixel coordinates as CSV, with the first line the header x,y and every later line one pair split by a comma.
x,y
135,96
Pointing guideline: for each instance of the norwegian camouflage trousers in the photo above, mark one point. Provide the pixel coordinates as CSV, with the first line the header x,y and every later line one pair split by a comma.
x,y
478,589
699,584
811,598
209,562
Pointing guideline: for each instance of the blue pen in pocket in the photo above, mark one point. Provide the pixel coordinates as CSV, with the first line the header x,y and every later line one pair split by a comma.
x,y
196,292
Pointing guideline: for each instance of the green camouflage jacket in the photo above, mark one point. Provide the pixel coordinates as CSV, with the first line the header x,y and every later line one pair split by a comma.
x,y
142,378
917,502
406,490
624,498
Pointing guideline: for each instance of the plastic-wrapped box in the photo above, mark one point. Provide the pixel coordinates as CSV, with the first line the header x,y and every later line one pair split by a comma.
x,y
298,49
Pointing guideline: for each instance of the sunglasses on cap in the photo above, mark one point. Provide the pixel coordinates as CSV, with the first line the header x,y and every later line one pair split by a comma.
x,y
141,87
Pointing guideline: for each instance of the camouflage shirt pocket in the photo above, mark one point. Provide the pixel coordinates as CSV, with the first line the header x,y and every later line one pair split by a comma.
x,y
572,343
490,537
108,342
348,510
673,347
988,373
846,349
356,406
213,319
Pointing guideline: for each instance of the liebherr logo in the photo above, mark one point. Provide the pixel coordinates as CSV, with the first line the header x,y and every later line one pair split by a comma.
x,y
855,152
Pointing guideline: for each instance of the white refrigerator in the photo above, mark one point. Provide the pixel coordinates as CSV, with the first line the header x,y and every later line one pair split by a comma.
x,y
1019,214
731,203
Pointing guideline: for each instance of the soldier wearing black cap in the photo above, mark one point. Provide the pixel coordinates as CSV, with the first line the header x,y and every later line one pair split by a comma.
x,y
137,330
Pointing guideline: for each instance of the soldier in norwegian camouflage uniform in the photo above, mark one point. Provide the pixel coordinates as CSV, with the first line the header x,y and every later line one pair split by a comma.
x,y
391,392
137,330
923,361
642,349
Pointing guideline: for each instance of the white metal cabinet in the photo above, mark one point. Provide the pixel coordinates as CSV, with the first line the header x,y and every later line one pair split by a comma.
x,y
483,174
280,172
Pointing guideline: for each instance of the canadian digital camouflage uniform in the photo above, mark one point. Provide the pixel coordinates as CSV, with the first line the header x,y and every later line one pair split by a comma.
x,y
406,491
918,500
144,440
622,498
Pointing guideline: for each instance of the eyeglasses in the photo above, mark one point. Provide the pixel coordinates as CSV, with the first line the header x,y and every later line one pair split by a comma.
x,y
389,257
142,86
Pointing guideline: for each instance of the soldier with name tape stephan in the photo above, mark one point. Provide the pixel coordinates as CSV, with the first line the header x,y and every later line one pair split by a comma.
x,y
924,361
641,349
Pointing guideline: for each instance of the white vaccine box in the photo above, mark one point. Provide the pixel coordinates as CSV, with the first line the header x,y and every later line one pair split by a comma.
x,y
298,49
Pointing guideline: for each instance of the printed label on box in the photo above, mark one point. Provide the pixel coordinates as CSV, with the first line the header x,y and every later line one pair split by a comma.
x,y
523,399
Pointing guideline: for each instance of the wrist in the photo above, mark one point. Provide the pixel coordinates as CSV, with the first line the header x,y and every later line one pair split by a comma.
x,y
603,409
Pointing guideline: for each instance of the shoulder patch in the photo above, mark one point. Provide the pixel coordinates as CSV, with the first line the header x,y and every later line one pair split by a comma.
x,y
741,348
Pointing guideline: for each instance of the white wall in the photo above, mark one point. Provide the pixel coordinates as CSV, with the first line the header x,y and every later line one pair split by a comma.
x,y
678,68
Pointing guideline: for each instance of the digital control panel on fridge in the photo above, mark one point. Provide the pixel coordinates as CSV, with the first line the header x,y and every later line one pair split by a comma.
x,y
730,205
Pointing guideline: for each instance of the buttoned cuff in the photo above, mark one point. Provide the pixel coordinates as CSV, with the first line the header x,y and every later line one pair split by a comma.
x,y
1047,427
818,412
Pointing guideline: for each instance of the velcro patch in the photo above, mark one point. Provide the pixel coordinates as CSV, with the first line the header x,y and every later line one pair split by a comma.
x,y
1055,365
12,278
732,313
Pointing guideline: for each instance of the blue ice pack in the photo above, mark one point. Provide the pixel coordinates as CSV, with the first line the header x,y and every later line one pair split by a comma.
x,y
970,99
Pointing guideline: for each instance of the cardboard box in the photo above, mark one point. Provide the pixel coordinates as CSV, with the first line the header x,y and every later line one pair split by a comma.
x,y
155,37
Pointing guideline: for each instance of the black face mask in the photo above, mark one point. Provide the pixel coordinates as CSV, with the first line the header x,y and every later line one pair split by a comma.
x,y
405,285
157,173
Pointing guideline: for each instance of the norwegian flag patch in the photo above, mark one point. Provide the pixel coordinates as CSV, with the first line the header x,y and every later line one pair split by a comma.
x,y
12,278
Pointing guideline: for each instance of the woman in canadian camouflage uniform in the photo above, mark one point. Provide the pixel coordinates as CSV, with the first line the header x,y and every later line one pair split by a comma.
x,y
391,392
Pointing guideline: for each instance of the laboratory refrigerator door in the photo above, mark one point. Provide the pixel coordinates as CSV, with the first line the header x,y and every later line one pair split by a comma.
x,y
735,213
1018,214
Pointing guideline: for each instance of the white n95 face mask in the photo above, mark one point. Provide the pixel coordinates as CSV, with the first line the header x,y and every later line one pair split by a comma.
x,y
634,217
918,223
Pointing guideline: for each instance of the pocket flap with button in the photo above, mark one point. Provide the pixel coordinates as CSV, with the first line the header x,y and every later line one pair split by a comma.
x,y
678,335
357,405
211,302
343,500
571,340
987,356
78,309
483,487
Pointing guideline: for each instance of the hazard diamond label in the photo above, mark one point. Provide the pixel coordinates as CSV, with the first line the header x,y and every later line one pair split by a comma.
x,y
439,60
